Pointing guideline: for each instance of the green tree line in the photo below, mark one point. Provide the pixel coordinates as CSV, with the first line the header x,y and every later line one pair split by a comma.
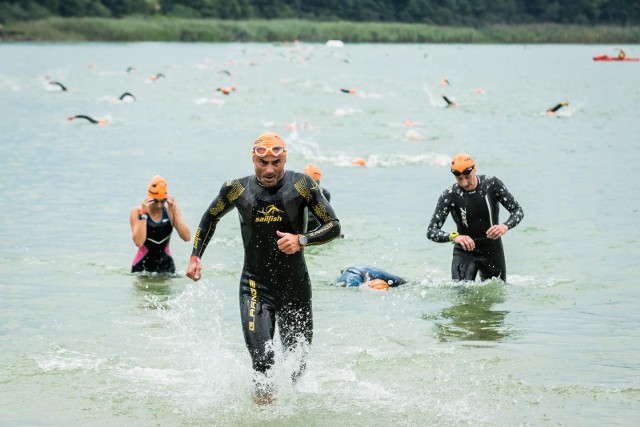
x,y
463,13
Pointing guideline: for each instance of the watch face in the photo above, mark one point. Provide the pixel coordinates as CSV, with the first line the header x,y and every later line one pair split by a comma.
x,y
302,240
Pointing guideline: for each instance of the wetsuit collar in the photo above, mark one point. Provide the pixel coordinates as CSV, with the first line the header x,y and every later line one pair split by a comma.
x,y
278,184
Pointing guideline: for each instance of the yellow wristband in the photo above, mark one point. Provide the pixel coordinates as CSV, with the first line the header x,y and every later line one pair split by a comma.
x,y
452,236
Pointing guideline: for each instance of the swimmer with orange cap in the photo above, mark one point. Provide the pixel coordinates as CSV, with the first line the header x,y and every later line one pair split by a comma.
x,y
275,287
314,172
369,277
151,226
553,110
474,202
99,122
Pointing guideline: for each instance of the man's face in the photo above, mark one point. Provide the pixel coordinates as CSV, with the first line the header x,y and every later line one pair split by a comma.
x,y
467,182
269,169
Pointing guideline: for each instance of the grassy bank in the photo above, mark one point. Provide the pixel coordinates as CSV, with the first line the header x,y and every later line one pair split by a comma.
x,y
198,30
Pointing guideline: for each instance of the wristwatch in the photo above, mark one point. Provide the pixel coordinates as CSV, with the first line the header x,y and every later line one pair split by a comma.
x,y
302,239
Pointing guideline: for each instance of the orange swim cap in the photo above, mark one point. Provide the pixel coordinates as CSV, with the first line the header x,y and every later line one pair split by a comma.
x,y
158,188
313,171
269,140
378,284
461,162
359,161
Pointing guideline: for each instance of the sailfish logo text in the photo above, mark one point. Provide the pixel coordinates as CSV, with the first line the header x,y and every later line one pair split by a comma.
x,y
270,214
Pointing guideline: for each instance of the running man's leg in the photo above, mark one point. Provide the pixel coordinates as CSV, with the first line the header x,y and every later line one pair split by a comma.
x,y
295,323
257,314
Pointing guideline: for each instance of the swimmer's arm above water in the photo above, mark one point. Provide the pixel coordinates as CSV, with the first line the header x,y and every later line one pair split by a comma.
x,y
219,207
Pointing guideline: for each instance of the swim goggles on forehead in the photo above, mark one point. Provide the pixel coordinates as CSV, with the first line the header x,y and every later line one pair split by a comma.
x,y
467,171
261,151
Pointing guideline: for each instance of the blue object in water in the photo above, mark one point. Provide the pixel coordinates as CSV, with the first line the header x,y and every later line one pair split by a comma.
x,y
356,275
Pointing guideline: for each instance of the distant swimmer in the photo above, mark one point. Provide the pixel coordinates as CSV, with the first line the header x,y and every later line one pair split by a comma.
x,y
130,69
157,76
350,91
551,111
224,90
621,54
368,276
444,82
89,119
227,72
449,102
127,96
63,87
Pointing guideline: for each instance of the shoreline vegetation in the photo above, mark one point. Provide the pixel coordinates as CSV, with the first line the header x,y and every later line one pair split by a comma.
x,y
163,29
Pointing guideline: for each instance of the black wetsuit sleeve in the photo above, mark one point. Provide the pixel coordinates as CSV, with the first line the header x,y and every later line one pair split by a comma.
x,y
217,209
510,203
440,214
318,205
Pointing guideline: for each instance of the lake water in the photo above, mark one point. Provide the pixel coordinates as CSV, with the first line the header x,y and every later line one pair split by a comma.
x,y
84,342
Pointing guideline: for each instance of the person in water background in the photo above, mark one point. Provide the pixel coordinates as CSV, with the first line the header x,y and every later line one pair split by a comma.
x,y
275,287
151,226
551,111
90,119
473,202
314,172
621,54
368,276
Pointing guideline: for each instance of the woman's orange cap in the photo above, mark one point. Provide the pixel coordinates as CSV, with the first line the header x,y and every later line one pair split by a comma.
x,y
461,162
158,188
313,171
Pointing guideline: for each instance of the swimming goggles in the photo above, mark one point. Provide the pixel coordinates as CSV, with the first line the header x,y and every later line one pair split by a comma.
x,y
465,172
158,201
261,151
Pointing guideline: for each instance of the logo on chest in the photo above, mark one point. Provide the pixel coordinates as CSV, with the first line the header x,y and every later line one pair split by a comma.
x,y
463,216
269,214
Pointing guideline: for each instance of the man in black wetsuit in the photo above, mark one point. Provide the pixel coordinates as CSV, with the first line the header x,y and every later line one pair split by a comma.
x,y
274,284
473,204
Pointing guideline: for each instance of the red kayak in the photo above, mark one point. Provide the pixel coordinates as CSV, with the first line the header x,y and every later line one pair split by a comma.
x,y
614,58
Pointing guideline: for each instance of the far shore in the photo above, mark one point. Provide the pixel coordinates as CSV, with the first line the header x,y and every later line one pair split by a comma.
x,y
162,29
